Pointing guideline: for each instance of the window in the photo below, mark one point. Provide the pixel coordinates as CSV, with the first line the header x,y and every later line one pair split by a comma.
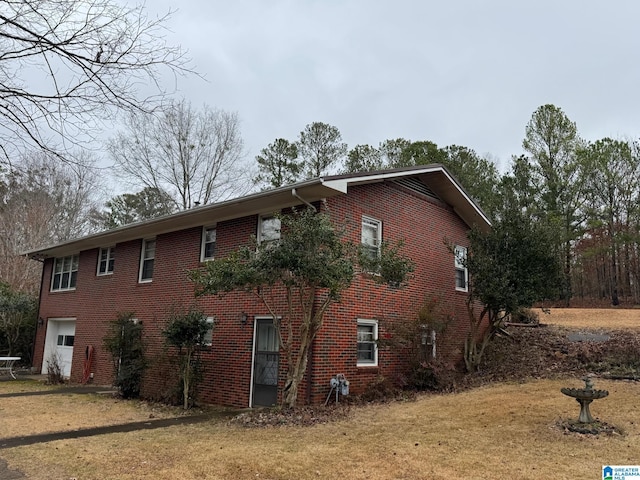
x,y
268,229
208,248
146,260
371,236
65,273
208,336
105,260
367,346
65,340
462,275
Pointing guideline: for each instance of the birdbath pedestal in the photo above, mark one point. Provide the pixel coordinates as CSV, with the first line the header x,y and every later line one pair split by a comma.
x,y
584,396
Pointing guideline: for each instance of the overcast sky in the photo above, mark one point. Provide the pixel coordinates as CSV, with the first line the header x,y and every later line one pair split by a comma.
x,y
459,72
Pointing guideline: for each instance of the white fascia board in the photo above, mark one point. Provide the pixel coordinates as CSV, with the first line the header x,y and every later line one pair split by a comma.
x,y
466,197
341,184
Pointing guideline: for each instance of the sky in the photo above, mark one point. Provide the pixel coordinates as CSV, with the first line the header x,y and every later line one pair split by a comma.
x,y
466,72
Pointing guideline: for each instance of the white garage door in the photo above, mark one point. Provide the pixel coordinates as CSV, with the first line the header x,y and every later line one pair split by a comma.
x,y
59,344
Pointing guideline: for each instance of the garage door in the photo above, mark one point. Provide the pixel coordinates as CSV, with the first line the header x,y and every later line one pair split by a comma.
x,y
59,344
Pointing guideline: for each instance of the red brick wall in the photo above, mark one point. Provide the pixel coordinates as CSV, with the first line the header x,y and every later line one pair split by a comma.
x,y
426,227
424,224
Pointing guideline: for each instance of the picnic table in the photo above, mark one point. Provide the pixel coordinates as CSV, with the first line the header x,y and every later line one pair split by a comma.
x,y
6,364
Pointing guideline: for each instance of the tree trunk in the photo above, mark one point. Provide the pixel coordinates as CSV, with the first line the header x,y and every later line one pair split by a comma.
x,y
186,380
295,373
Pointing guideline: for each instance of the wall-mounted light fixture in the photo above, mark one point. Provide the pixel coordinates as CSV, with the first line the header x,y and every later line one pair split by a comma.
x,y
243,318
40,321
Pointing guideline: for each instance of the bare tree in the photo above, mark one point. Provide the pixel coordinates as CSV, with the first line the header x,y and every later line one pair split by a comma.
x,y
66,65
42,202
193,155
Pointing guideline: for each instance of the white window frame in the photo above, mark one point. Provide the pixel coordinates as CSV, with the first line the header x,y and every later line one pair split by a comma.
x,y
374,324
143,258
203,245
367,222
74,261
110,257
460,255
208,336
260,233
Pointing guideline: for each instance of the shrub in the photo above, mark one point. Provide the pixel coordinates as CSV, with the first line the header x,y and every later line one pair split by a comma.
x,y
526,316
54,370
414,339
380,390
431,374
186,331
124,343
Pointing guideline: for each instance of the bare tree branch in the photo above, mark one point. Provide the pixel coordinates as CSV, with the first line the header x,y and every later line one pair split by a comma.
x,y
193,155
66,65
42,202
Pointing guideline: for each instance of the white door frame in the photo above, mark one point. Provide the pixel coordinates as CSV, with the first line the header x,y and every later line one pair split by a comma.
x,y
253,353
51,337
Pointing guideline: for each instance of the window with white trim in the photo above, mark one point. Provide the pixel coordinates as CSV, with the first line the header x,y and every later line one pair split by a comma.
x,y
208,336
371,236
462,274
208,248
147,259
106,258
367,343
65,273
268,229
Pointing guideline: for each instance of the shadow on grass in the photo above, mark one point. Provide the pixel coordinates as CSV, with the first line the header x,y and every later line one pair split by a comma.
x,y
61,391
20,441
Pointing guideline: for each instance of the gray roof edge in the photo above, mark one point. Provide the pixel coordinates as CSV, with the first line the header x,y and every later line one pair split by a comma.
x,y
335,183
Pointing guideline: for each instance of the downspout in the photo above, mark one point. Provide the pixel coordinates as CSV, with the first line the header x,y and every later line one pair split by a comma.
x,y
295,194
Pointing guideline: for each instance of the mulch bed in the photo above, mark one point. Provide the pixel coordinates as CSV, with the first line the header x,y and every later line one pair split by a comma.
x,y
301,416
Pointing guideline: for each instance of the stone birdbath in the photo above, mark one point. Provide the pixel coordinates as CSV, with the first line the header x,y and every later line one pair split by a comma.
x,y
584,396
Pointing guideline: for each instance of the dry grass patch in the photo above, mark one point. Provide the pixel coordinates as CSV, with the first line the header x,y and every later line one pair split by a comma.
x,y
61,411
593,318
501,431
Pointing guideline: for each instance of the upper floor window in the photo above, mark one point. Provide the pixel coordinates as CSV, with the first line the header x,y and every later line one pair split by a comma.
x,y
367,343
208,248
462,274
371,236
208,336
268,229
65,273
105,260
147,259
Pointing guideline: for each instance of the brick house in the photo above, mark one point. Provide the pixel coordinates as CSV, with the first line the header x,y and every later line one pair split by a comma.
x,y
141,268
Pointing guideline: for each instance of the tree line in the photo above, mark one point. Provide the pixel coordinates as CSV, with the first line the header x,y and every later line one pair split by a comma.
x,y
585,194
582,197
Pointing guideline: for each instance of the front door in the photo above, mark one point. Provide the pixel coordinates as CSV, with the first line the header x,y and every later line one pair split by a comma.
x,y
265,364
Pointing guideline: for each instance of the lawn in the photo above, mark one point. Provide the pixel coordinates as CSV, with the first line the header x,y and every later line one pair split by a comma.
x,y
503,430
593,318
